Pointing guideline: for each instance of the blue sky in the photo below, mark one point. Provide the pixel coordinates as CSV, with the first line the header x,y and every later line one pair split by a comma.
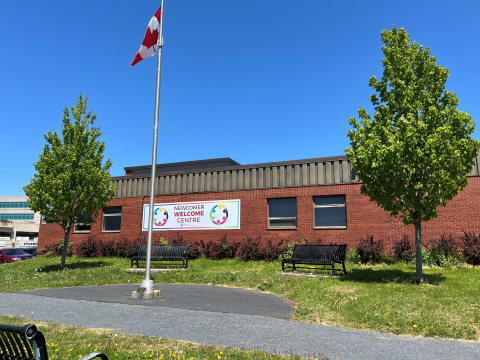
x,y
257,81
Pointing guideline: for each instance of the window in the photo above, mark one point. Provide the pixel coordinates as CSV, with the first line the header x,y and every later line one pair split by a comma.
x,y
83,224
282,213
112,218
330,212
13,205
16,216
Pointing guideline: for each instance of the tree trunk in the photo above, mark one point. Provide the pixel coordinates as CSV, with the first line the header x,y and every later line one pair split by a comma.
x,y
64,249
418,250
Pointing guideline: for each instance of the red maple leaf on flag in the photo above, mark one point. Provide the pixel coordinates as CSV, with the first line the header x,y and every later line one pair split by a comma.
x,y
150,41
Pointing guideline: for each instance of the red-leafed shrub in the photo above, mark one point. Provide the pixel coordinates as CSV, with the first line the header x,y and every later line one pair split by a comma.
x,y
471,247
88,247
446,245
125,247
197,250
273,251
249,249
403,249
220,249
178,239
370,251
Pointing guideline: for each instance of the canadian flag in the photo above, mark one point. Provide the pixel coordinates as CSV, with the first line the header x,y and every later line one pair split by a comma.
x,y
150,41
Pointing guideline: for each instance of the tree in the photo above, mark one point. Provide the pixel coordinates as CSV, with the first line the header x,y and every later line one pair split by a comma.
x,y
416,153
70,182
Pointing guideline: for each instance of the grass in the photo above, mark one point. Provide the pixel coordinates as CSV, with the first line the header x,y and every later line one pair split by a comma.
x,y
378,298
73,342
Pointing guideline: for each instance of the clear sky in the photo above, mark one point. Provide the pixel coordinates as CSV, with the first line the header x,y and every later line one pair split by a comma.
x,y
257,81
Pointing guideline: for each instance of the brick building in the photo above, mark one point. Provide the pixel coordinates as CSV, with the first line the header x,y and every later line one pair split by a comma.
x,y
304,199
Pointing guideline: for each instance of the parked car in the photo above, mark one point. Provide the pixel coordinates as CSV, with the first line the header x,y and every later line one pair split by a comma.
x,y
10,255
32,251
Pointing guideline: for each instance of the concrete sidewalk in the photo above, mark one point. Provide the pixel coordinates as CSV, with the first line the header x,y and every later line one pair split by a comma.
x,y
199,320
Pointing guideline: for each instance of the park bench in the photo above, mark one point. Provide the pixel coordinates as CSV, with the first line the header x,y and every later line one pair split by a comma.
x,y
315,256
28,343
169,254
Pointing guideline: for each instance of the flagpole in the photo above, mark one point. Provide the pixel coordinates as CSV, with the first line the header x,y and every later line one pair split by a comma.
x,y
148,283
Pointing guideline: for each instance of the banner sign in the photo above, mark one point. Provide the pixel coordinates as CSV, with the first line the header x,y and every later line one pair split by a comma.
x,y
199,215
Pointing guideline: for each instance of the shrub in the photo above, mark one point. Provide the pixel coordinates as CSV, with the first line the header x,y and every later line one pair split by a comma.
x,y
369,250
440,252
403,249
272,252
56,249
197,250
178,239
438,258
353,257
315,242
124,247
87,248
108,248
290,244
471,247
92,247
220,249
249,249
160,240
446,245
427,258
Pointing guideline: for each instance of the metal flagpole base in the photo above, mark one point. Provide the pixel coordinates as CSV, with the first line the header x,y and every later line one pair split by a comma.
x,y
148,285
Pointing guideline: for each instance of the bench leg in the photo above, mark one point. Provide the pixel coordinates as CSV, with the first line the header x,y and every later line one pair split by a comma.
x,y
344,270
333,268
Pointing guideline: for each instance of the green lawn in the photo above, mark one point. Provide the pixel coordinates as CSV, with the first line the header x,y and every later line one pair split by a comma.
x,y
380,298
73,342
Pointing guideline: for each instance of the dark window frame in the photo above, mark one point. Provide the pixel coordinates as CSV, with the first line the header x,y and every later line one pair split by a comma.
x,y
281,218
329,206
111,215
87,227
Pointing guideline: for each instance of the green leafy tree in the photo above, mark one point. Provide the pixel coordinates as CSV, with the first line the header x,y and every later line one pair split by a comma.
x,y
70,182
416,153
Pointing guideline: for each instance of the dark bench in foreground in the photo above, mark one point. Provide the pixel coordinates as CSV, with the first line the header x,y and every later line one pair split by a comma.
x,y
168,254
315,256
28,343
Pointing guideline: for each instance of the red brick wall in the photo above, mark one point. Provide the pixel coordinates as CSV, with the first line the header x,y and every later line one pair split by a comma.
x,y
363,217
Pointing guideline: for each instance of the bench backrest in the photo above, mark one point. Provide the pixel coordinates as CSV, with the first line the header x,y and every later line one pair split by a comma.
x,y
22,342
164,250
321,252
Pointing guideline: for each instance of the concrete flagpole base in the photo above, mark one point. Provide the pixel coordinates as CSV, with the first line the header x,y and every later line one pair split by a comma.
x,y
142,293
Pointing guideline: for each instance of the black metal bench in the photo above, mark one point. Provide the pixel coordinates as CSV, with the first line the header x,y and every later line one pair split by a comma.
x,y
315,256
169,254
28,343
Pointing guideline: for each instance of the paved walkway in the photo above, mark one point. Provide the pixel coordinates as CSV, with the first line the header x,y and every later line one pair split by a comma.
x,y
221,316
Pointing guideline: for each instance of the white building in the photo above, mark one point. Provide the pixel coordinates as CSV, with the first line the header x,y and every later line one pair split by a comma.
x,y
18,223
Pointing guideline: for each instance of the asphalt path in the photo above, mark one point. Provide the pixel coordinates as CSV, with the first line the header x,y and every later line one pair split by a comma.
x,y
244,321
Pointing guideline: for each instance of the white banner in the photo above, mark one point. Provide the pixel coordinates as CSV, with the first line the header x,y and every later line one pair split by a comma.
x,y
198,215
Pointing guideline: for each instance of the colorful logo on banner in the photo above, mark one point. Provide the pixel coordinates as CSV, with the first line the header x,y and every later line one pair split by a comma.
x,y
194,215
160,216
219,214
